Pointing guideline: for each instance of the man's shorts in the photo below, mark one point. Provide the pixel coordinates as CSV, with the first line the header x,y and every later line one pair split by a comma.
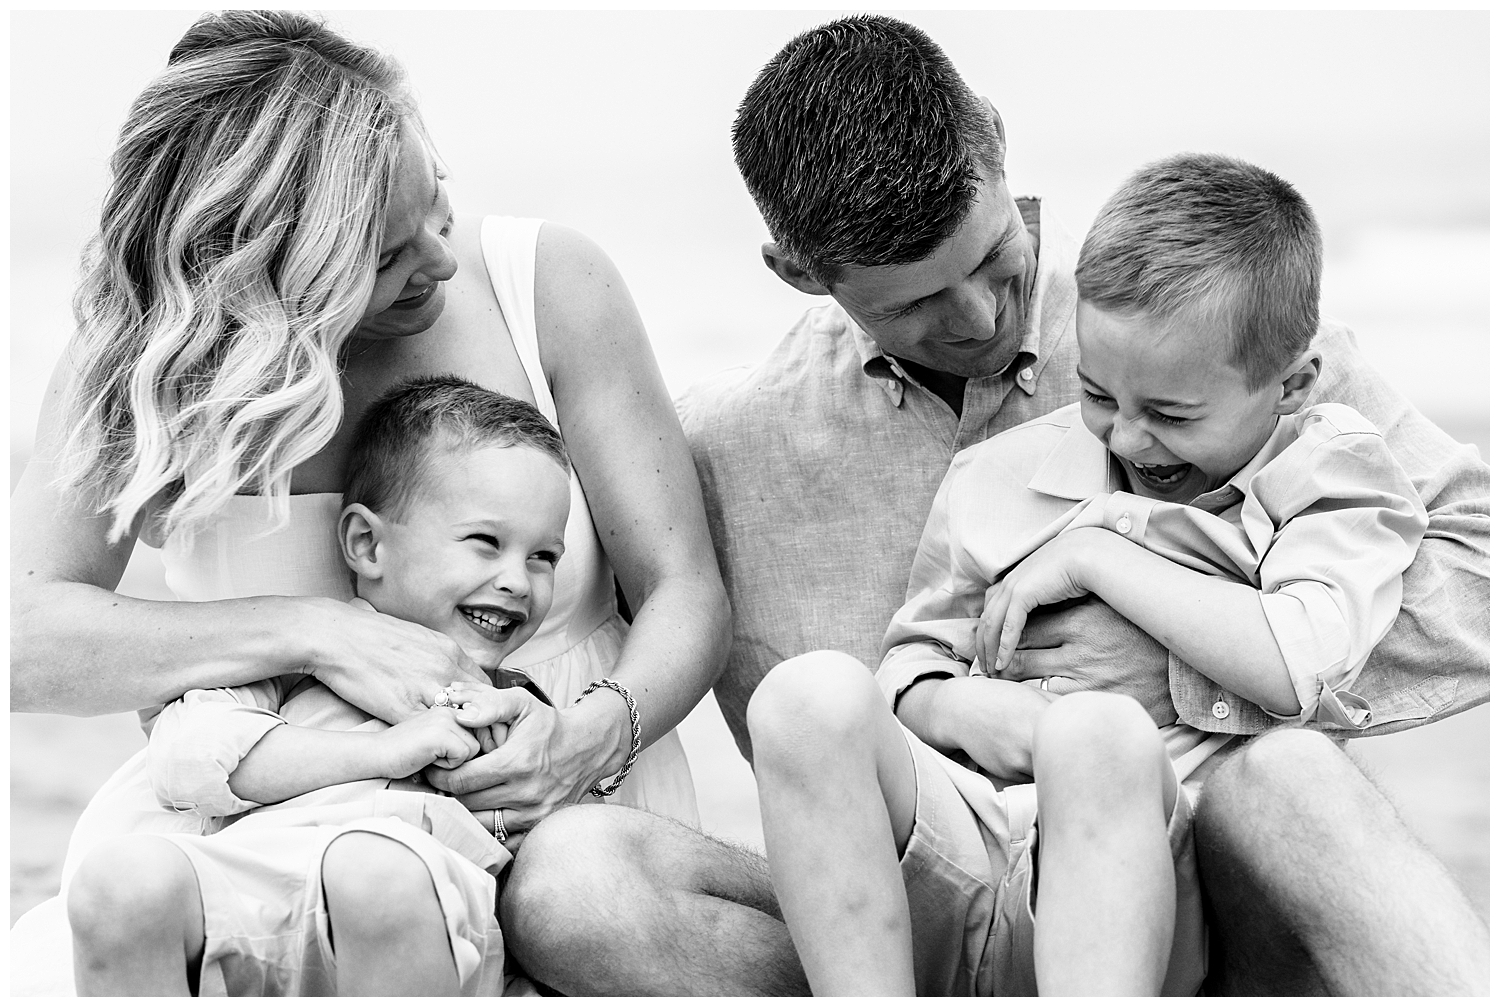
x,y
265,919
968,870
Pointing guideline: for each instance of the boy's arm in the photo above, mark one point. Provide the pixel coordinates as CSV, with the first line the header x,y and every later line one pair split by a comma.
x,y
924,671
197,741
290,761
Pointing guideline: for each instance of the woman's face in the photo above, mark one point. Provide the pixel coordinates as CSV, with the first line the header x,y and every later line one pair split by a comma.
x,y
414,255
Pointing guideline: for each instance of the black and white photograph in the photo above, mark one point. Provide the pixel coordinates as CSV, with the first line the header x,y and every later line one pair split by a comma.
x,y
749,503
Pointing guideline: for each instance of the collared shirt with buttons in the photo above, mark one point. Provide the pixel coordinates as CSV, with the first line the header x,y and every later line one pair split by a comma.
x,y
1322,521
819,465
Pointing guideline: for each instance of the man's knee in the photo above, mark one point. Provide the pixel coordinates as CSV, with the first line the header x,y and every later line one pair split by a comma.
x,y
815,700
375,885
131,889
1280,779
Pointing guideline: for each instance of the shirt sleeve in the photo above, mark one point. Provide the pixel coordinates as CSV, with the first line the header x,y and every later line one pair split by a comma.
x,y
933,632
1338,522
199,740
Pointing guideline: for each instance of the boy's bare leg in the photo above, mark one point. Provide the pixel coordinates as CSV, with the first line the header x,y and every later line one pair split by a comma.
x,y
137,920
389,938
605,900
1106,891
838,801
1314,885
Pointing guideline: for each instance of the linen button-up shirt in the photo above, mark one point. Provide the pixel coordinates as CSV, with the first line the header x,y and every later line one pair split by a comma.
x,y
819,466
1322,521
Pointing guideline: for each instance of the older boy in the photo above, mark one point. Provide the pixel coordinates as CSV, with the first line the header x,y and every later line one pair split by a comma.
x,y
318,832
1261,541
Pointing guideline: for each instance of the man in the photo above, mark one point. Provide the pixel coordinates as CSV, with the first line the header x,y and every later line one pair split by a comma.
x,y
881,178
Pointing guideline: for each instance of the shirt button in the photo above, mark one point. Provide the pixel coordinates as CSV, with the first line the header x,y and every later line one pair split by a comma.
x,y
1123,526
1027,374
1221,710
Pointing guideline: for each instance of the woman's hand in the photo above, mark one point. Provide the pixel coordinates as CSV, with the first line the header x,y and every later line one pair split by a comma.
x,y
385,666
550,758
1055,572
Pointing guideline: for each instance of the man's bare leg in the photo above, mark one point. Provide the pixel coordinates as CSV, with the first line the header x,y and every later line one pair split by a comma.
x,y
838,799
608,900
1106,894
1313,884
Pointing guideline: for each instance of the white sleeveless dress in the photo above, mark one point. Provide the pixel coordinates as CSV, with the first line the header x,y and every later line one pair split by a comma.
x,y
239,555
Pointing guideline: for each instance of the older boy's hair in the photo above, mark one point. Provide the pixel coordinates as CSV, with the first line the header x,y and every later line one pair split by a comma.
x,y
390,460
861,145
1215,234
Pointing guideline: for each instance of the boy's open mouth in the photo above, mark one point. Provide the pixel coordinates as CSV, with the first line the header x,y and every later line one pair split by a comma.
x,y
494,624
1162,477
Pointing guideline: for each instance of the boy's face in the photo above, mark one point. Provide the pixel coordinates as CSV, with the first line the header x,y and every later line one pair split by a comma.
x,y
474,555
1164,398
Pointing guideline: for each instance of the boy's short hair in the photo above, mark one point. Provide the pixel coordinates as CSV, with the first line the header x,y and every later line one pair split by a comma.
x,y
861,145
1210,232
390,459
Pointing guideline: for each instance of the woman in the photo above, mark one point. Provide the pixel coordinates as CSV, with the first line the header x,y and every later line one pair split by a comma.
x,y
275,251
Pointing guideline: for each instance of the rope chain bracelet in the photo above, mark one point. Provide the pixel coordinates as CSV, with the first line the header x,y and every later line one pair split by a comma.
x,y
635,733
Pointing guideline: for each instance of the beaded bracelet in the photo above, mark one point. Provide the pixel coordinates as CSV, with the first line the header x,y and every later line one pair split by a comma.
x,y
635,733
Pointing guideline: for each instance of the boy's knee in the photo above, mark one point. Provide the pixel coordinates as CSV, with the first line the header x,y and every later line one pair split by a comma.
x,y
128,889
374,883
1099,728
811,700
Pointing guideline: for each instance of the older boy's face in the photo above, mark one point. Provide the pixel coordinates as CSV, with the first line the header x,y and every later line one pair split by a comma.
x,y
962,310
474,555
1164,398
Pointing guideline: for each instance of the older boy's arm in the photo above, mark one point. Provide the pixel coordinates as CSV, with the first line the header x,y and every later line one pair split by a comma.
x,y
989,720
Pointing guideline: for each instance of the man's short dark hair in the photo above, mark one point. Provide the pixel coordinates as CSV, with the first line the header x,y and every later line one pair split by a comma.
x,y
862,145
1210,233
394,444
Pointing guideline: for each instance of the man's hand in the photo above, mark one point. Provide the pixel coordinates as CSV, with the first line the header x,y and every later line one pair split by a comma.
x,y
1088,645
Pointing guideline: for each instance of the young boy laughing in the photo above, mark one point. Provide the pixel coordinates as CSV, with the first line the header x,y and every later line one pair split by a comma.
x,y
315,830
1261,541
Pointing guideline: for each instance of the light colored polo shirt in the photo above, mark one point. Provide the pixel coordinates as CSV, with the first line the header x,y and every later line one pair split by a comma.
x,y
1322,521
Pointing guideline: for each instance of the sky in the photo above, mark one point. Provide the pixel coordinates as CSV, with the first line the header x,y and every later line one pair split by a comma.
x,y
617,124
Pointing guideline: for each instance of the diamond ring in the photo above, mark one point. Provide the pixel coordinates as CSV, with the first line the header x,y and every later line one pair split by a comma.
x,y
443,699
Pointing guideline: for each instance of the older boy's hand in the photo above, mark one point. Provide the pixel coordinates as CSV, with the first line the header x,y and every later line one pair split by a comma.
x,y
1088,645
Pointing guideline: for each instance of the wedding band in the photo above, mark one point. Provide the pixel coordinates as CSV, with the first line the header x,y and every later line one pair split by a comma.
x,y
442,698
499,826
1044,685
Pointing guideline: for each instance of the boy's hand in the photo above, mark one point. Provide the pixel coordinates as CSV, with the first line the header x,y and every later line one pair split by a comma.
x,y
1051,574
431,738
484,710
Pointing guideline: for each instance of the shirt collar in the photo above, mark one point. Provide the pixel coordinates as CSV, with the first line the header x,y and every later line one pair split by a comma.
x,y
1079,465
1036,345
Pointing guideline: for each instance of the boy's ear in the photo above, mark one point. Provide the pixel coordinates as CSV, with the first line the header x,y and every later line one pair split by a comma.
x,y
1298,380
360,531
778,262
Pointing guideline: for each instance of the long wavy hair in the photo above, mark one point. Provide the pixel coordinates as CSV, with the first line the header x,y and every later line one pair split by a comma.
x,y
236,253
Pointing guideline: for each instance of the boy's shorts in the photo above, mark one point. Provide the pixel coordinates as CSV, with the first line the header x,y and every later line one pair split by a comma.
x,y
968,877
265,920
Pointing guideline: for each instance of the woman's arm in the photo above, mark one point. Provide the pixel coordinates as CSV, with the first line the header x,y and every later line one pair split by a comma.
x,y
79,648
633,462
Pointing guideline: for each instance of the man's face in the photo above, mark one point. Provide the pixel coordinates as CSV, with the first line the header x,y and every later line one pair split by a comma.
x,y
1164,398
475,553
961,310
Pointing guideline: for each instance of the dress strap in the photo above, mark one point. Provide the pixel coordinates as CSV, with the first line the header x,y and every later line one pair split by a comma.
x,y
509,245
